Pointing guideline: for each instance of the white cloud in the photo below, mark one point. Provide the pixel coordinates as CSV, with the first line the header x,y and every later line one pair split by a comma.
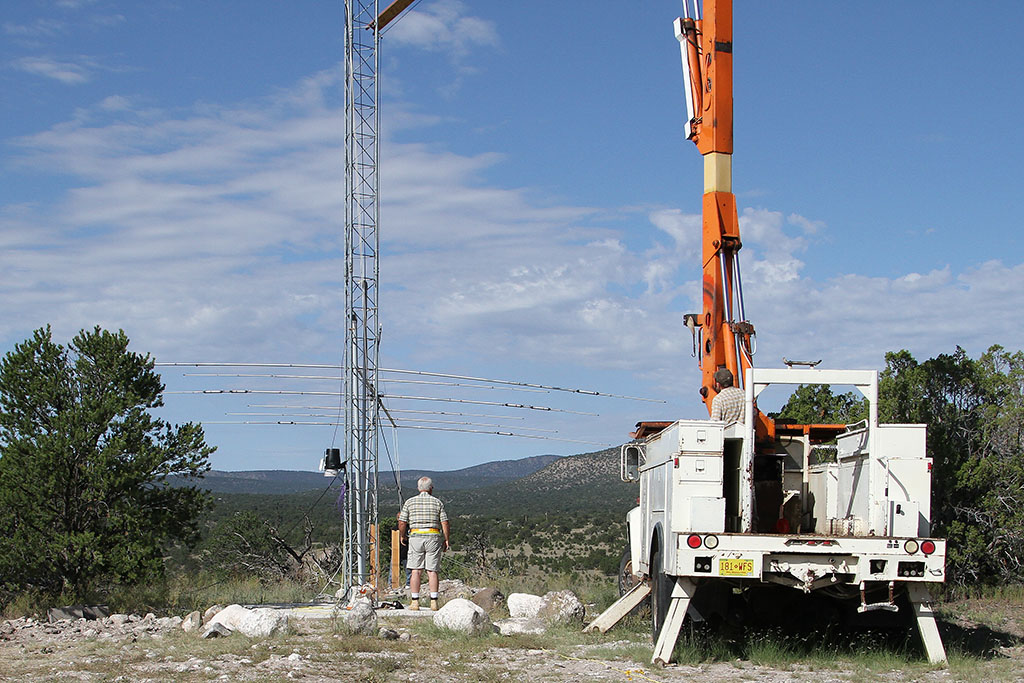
x,y
217,235
443,26
70,73
810,227
40,28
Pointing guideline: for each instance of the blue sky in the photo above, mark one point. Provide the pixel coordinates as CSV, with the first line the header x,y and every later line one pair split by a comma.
x,y
175,169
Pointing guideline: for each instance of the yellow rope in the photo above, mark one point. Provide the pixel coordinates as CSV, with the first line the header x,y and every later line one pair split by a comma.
x,y
628,673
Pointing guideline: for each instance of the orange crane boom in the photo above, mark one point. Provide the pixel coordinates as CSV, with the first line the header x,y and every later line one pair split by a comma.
x,y
726,337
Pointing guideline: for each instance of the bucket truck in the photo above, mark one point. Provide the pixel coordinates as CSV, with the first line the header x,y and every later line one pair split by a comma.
x,y
728,509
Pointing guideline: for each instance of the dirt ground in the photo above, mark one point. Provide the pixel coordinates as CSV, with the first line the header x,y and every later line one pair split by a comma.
x,y
985,640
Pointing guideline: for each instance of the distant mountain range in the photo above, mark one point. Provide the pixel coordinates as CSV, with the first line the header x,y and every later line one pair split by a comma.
x,y
286,481
575,483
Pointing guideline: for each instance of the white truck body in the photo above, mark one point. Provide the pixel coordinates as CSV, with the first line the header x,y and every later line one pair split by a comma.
x,y
716,509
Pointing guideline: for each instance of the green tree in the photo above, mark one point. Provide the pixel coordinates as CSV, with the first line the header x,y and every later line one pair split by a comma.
x,y
84,496
974,410
816,404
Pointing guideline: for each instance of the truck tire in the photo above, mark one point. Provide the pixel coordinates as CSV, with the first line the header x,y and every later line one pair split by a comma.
x,y
626,577
661,593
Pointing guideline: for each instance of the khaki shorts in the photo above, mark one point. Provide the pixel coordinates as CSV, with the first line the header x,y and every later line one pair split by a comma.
x,y
425,552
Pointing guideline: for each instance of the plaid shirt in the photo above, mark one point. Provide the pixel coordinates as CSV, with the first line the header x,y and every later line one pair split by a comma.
x,y
423,512
729,405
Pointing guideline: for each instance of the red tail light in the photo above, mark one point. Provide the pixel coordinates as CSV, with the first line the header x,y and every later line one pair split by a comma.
x,y
693,540
928,547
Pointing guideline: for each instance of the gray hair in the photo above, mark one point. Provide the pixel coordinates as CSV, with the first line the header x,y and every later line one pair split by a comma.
x,y
425,484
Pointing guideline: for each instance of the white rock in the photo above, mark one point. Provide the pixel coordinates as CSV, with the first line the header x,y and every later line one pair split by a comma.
x,y
519,625
255,623
524,605
463,616
294,657
561,607
215,630
192,621
361,618
211,612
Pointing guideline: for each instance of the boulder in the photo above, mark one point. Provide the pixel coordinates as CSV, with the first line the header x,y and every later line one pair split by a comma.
x,y
489,598
449,589
561,607
361,618
168,622
387,634
216,630
524,605
192,622
462,616
211,612
77,612
255,623
519,625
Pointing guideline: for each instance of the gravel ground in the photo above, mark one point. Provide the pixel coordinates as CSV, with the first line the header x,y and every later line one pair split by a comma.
x,y
147,648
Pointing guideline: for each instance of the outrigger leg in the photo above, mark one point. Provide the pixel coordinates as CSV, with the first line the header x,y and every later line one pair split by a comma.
x,y
682,593
620,607
921,599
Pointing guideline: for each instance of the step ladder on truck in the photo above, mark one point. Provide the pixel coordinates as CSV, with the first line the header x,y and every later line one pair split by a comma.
x,y
840,511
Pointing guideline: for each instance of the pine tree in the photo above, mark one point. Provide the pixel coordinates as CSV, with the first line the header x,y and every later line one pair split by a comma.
x,y
85,500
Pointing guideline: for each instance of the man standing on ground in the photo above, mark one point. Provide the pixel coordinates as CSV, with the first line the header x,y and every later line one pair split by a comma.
x,y
420,524
729,404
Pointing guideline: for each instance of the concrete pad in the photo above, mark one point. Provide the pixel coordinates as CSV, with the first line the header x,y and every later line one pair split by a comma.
x,y
328,610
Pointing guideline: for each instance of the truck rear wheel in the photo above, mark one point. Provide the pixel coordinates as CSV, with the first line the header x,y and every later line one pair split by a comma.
x,y
661,592
626,577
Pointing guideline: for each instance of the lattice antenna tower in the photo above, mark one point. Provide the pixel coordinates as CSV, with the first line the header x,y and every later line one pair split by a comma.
x,y
362,272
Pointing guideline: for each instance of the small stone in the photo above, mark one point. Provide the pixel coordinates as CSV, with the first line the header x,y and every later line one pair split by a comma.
x,y
215,630
192,622
295,657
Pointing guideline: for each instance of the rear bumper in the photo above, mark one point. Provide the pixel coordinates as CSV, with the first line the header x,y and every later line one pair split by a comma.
x,y
810,562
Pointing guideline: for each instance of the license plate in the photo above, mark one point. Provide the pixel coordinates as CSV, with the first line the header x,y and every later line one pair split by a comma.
x,y
732,567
